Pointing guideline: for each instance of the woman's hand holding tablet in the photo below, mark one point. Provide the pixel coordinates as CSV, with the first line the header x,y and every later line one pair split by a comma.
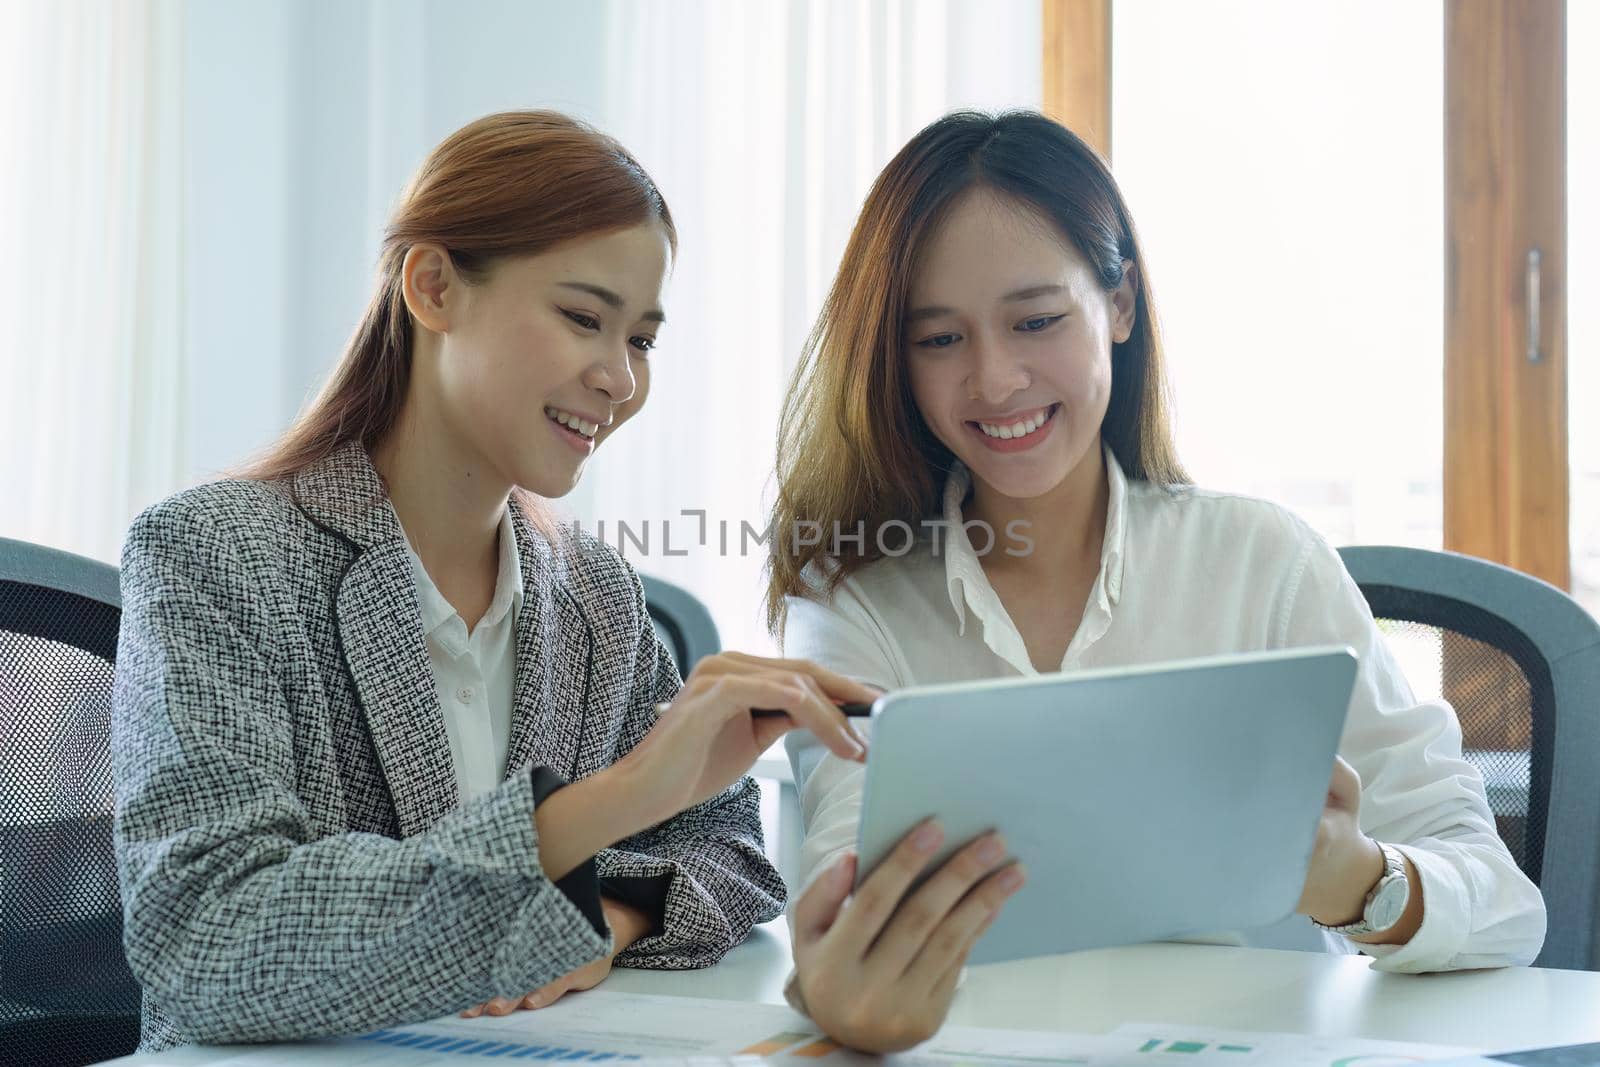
x,y
1347,868
1344,862
878,974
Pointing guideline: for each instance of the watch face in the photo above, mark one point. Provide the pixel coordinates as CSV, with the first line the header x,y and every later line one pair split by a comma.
x,y
1388,904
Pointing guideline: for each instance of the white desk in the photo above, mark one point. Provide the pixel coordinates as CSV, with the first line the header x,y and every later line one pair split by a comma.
x,y
1196,985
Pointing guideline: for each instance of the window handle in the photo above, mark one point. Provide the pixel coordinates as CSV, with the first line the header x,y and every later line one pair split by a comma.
x,y
1531,286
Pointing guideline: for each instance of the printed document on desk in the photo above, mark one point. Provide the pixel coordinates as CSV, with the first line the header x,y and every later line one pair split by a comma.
x,y
636,1030
632,1030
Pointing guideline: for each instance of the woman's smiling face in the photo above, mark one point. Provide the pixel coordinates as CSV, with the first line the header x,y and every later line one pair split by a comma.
x,y
1008,338
549,356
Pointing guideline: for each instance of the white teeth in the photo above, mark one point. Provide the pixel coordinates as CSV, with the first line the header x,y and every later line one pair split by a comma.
x,y
587,429
1017,429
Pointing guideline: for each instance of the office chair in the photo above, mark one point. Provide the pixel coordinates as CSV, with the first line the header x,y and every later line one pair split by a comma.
x,y
681,621
1519,660
66,994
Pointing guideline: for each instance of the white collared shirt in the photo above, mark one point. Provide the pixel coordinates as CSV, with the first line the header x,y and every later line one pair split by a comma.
x,y
1184,573
475,674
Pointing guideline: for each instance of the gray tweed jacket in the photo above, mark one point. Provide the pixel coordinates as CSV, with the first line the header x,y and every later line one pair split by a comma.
x,y
294,857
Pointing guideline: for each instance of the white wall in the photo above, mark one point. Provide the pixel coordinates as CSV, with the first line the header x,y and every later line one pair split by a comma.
x,y
304,121
237,137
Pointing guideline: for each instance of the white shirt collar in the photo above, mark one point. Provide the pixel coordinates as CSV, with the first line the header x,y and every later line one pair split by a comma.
x,y
969,587
436,610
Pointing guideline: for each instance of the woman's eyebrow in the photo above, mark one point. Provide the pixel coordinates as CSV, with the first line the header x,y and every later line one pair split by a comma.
x,y
928,313
611,298
1032,291
1012,297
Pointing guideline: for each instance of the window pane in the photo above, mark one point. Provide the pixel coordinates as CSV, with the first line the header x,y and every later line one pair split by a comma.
x,y
1583,322
1284,164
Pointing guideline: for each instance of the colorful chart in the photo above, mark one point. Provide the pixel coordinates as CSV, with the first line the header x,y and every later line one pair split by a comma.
x,y
1214,1048
458,1046
776,1043
1159,1045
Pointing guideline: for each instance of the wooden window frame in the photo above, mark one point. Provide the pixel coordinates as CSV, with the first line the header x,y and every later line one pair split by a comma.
x,y
1506,482
1077,68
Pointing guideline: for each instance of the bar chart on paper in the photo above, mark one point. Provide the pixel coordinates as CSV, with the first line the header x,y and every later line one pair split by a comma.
x,y
784,1046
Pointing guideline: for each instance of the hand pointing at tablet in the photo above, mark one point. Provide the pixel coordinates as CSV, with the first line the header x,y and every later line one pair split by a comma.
x,y
707,738
701,743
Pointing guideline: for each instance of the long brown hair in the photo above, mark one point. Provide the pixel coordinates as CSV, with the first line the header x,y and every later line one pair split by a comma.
x,y
854,453
516,183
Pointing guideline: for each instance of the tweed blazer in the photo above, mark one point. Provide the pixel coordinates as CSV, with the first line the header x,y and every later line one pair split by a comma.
x,y
294,855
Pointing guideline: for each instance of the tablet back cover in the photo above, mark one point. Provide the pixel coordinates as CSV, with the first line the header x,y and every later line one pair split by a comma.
x,y
1146,804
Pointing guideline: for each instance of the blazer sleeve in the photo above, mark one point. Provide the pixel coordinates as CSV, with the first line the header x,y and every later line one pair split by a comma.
x,y
706,865
246,917
1418,793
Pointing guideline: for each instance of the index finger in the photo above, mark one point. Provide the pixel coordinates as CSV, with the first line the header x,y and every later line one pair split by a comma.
x,y
811,710
835,685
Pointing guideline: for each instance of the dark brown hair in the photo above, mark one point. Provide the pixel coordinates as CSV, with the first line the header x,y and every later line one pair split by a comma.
x,y
516,183
853,450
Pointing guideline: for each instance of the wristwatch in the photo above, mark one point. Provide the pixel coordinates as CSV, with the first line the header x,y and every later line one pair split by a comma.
x,y
1386,902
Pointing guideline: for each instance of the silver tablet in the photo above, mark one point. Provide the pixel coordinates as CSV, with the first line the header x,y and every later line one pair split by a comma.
x,y
1147,803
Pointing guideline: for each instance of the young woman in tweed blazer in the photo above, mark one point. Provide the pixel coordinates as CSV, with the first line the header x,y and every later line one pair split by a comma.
x,y
354,683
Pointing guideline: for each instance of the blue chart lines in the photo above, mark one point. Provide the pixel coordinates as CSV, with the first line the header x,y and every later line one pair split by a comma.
x,y
459,1046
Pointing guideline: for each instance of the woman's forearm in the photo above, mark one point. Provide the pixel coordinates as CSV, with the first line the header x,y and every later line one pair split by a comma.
x,y
578,821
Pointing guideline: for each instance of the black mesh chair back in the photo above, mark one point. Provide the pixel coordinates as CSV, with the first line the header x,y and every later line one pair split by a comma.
x,y
1519,660
66,994
681,621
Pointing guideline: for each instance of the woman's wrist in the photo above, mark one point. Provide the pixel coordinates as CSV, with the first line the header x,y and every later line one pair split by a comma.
x,y
578,821
1347,901
629,792
628,924
1410,921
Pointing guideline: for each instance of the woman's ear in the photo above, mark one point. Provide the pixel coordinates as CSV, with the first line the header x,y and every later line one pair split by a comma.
x,y
1125,302
428,281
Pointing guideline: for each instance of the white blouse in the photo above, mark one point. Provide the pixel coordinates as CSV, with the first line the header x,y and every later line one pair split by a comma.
x,y
1185,573
475,674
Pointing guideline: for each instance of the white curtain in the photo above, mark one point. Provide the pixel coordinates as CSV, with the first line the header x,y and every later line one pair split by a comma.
x,y
92,400
765,124
166,307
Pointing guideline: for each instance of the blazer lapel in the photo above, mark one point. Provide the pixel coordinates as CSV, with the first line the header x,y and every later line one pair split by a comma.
x,y
380,634
380,627
553,647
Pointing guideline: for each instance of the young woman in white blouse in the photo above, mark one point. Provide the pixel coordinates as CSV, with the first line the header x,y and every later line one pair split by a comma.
x,y
987,373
